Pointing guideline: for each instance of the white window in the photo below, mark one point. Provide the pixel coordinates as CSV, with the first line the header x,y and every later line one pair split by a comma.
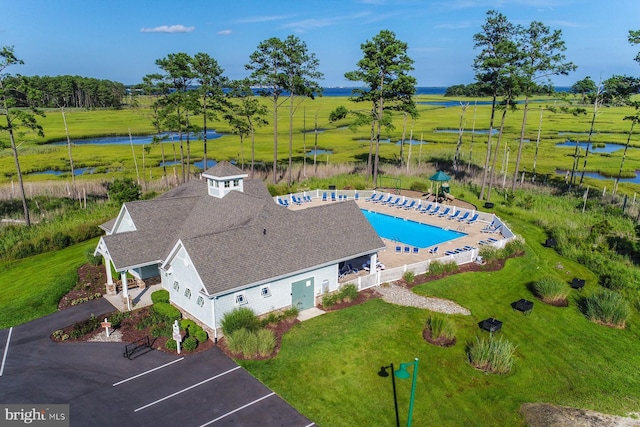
x,y
187,293
176,286
236,183
200,301
265,291
227,184
241,299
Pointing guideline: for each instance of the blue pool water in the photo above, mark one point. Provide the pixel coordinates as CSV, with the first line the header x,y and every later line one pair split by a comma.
x,y
409,232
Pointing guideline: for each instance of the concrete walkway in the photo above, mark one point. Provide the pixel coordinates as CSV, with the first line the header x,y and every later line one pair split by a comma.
x,y
309,313
139,298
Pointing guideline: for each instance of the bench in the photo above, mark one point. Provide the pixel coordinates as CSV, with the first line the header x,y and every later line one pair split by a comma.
x,y
138,347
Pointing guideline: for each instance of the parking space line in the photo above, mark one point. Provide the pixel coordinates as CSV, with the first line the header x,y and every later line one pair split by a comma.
x,y
186,389
6,349
237,409
147,372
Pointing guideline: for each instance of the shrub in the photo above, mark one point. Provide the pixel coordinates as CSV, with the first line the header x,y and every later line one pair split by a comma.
x,y
189,344
117,317
93,259
440,326
201,335
84,327
188,325
348,292
329,300
607,307
161,330
266,342
491,355
421,186
123,190
239,318
513,247
161,295
551,290
409,277
437,267
291,312
169,312
489,253
171,344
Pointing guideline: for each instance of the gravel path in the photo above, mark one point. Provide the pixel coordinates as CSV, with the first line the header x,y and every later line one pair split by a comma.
x,y
402,296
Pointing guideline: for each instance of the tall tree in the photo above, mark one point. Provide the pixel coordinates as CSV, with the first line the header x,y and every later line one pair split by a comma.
x,y
543,57
17,120
245,114
267,65
209,76
585,88
634,38
178,102
384,70
498,53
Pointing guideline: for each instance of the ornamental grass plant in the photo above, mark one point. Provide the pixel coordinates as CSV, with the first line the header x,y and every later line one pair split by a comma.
x,y
606,307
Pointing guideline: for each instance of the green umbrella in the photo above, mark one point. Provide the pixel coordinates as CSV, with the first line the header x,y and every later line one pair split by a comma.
x,y
439,177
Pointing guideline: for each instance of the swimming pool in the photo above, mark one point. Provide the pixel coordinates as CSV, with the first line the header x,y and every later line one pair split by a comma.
x,y
409,232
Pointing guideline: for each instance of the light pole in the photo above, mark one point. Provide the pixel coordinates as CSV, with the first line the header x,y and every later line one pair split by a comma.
x,y
383,373
404,374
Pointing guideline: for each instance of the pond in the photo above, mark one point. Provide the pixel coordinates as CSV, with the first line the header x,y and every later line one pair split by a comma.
x,y
596,175
319,152
137,140
608,148
76,172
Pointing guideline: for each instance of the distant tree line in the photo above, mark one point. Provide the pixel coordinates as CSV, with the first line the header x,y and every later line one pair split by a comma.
x,y
70,91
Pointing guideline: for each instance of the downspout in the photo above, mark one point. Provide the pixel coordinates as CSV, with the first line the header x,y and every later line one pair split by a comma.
x,y
215,326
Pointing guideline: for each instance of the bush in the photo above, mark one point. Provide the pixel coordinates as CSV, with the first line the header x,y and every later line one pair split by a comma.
x,y
251,343
607,307
171,344
169,312
201,335
348,293
491,355
440,326
161,295
437,267
161,330
188,325
93,259
189,344
329,300
84,327
551,290
239,318
123,190
409,277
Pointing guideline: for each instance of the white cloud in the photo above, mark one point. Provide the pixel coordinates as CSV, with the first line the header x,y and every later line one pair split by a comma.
x,y
224,32
257,19
168,29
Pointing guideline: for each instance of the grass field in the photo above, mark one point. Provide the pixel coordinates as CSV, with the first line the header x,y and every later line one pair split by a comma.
x,y
344,144
32,287
328,366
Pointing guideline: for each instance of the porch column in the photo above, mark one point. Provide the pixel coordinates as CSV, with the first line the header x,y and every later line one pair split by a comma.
x,y
125,290
373,263
111,287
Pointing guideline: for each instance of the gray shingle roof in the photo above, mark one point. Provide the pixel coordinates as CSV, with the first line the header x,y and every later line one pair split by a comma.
x,y
223,169
243,238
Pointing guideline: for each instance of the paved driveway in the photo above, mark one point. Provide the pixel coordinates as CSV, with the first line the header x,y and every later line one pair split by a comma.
x,y
156,389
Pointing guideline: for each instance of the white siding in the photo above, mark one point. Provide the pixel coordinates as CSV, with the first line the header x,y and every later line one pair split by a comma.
x,y
124,224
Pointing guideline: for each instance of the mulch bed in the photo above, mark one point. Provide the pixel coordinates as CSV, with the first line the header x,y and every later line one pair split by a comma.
x,y
440,342
91,281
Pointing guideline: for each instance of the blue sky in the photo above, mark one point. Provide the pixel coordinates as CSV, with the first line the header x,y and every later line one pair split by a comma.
x,y
120,40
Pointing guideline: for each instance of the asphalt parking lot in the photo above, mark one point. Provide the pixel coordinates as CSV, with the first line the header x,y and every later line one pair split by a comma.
x,y
103,388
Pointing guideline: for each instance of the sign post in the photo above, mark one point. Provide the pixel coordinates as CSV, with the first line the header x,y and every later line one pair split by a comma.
x,y
106,325
176,334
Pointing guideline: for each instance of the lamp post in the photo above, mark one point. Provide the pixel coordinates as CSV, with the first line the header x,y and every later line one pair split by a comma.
x,y
383,373
404,374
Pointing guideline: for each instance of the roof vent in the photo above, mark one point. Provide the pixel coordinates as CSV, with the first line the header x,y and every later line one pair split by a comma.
x,y
264,231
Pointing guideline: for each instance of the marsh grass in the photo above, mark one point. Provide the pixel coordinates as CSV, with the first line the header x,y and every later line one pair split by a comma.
x,y
494,355
551,290
440,326
437,267
239,318
606,307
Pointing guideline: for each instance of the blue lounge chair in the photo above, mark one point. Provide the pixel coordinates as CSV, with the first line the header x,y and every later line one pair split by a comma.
x,y
444,213
416,251
483,242
407,250
435,211
473,219
467,248
450,253
283,202
492,240
371,198
455,215
384,202
419,207
398,249
403,204
324,197
410,205
395,202
464,217
356,196
433,250
427,208
296,199
306,198
333,197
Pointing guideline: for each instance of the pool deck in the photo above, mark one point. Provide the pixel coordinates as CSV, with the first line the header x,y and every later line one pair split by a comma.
x,y
392,259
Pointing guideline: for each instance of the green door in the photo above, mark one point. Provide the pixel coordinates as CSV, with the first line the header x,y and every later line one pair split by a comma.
x,y
302,294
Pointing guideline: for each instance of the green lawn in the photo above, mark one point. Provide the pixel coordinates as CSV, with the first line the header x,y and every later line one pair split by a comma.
x,y
32,287
328,366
